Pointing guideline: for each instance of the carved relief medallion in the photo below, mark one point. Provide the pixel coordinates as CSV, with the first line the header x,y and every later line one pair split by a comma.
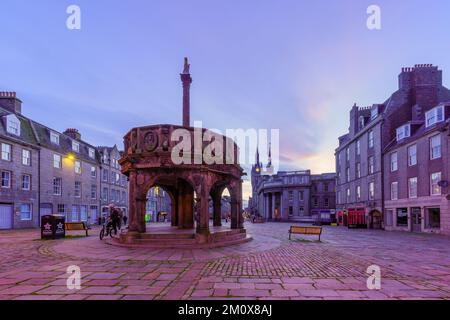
x,y
150,141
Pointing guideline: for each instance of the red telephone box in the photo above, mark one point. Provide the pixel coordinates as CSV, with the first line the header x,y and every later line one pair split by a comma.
x,y
356,218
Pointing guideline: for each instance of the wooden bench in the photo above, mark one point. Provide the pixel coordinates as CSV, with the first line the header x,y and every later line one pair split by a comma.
x,y
305,230
76,226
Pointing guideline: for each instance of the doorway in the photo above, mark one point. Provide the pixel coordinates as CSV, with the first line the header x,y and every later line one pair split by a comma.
x,y
416,219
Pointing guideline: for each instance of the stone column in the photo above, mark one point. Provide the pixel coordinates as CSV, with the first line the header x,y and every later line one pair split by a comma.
x,y
133,225
217,209
185,206
173,210
140,213
274,198
234,215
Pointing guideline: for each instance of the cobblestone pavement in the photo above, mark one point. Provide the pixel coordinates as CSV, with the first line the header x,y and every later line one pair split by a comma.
x,y
413,266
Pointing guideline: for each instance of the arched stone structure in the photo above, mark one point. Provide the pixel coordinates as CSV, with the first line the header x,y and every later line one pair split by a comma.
x,y
148,161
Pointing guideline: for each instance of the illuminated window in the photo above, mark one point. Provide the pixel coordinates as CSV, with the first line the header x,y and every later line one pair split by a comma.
x,y
77,166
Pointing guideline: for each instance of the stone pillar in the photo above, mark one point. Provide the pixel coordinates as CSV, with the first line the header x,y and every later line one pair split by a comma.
x,y
133,225
140,213
173,210
274,198
234,215
185,206
186,80
217,209
239,207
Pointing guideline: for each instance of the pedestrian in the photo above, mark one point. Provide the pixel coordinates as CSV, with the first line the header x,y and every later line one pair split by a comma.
x,y
125,218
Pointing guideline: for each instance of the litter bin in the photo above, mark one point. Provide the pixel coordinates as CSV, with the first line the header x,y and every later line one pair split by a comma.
x,y
53,227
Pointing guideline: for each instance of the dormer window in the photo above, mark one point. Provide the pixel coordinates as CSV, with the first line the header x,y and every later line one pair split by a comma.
x,y
75,146
54,138
91,153
434,116
373,113
13,125
403,132
361,122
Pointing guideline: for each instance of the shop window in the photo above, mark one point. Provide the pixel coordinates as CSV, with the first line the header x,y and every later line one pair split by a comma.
x,y
402,217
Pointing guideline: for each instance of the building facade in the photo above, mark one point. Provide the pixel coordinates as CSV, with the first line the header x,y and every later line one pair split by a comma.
x,y
113,184
416,166
363,158
19,167
45,172
292,195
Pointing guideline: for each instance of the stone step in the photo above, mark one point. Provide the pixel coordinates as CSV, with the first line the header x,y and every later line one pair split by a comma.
x,y
230,237
168,236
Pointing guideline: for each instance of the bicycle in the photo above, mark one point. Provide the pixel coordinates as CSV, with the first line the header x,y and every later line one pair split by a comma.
x,y
107,230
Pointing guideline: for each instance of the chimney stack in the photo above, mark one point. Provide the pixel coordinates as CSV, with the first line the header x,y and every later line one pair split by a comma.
x,y
73,133
10,102
186,80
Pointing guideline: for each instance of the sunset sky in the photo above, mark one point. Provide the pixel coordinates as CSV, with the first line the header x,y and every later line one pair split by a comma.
x,y
292,65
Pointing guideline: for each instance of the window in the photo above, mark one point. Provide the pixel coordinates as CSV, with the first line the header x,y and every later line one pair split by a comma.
x,y
124,180
300,195
291,195
93,191
348,194
434,116
371,139
75,146
433,218
105,174
124,197
326,202
6,152
412,187
78,166
339,195
75,210
412,155
371,191
57,163
394,191
6,179
91,153
403,132
26,157
371,165
13,125
374,113
347,154
105,194
61,209
347,174
83,213
117,179
113,177
25,211
402,217
358,193
77,191
358,170
26,182
315,202
54,138
358,147
435,147
394,162
435,189
57,186
93,172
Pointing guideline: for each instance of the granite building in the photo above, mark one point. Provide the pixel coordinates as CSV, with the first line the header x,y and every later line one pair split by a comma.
x,y
292,195
44,171
19,166
371,157
113,184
